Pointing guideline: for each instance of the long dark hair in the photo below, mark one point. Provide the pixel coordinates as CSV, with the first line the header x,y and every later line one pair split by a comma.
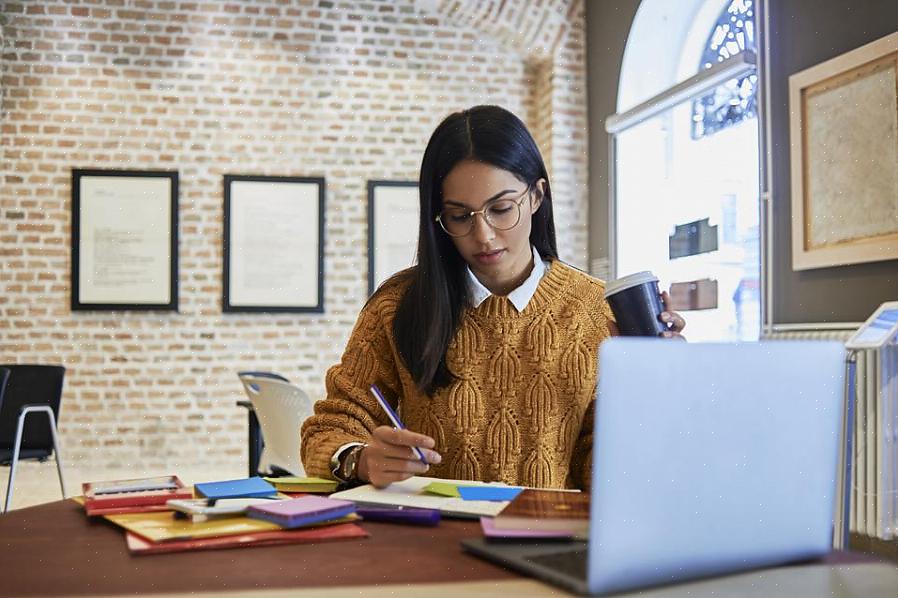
x,y
431,309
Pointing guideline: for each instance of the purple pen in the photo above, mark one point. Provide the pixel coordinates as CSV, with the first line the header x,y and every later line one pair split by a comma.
x,y
394,419
411,516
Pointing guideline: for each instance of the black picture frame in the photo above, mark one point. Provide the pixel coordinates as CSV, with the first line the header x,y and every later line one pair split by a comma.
x,y
377,229
237,297
119,264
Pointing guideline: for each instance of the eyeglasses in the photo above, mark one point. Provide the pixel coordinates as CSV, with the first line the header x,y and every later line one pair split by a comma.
x,y
500,214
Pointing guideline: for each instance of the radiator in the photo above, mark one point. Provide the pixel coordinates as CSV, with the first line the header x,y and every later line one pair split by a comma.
x,y
874,466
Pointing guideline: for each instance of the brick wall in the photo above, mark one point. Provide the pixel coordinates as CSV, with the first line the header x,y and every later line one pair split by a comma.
x,y
345,90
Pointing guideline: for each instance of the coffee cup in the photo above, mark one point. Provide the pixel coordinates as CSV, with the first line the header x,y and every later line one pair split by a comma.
x,y
636,303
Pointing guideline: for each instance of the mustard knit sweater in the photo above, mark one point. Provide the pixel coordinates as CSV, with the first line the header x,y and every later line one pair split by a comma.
x,y
520,410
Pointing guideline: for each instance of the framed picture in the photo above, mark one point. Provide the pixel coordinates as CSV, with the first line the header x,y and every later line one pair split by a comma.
x,y
124,240
273,244
844,160
392,229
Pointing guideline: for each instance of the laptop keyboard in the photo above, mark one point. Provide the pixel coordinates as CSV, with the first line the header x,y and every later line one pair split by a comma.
x,y
569,562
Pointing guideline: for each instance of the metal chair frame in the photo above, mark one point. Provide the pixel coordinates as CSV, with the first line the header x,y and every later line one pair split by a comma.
x,y
26,410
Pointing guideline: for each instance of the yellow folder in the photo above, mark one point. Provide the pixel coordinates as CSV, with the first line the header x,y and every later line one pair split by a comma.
x,y
160,527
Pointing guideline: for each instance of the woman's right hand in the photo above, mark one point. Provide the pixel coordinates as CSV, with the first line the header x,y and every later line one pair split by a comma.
x,y
389,456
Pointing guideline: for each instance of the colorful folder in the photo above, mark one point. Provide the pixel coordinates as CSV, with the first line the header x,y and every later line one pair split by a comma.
x,y
164,527
343,531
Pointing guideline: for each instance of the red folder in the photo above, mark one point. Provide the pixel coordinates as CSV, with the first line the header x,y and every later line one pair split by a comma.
x,y
343,531
98,511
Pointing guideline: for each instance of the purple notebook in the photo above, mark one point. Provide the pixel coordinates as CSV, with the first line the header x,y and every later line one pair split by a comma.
x,y
301,511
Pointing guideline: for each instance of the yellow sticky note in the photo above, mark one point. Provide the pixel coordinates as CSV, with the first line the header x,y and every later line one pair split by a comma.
x,y
303,484
442,488
298,480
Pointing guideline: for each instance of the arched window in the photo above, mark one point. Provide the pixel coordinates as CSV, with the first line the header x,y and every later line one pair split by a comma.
x,y
735,100
685,162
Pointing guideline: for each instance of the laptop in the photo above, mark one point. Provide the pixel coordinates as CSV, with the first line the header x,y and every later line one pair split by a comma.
x,y
707,459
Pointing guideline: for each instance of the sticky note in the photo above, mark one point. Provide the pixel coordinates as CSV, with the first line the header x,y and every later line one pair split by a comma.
x,y
442,488
488,492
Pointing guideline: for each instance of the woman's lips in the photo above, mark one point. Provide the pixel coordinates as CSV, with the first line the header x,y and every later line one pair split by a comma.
x,y
489,257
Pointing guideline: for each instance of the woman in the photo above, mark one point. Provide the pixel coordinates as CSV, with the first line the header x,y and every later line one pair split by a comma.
x,y
488,346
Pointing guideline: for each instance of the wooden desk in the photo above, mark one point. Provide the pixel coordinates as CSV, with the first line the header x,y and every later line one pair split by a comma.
x,y
54,550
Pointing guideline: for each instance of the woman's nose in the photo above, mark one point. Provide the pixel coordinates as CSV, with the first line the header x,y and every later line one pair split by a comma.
x,y
482,230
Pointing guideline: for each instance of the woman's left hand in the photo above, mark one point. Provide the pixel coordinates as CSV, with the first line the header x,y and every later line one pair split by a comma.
x,y
676,321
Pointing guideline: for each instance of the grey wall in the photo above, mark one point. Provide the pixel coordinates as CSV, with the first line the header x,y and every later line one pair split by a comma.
x,y
607,28
802,34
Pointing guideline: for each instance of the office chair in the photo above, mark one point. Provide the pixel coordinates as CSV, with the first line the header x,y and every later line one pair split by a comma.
x,y
254,437
30,389
281,409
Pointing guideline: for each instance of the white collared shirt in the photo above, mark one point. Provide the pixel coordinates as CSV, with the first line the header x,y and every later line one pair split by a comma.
x,y
519,297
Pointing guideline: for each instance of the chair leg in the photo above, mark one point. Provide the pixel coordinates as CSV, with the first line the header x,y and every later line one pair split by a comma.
x,y
256,443
20,426
56,452
15,459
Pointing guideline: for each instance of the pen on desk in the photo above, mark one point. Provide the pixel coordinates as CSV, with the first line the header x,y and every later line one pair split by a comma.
x,y
394,419
399,514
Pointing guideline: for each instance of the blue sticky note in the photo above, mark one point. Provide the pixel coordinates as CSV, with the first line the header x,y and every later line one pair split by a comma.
x,y
488,492
246,488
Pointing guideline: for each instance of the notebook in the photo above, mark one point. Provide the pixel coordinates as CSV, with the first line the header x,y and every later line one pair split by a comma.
x,y
707,459
301,511
417,492
488,526
546,510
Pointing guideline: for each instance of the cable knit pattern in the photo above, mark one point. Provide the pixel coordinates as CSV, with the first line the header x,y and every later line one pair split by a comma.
x,y
520,409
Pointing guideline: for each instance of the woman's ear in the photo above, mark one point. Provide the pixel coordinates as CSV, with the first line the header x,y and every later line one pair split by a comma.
x,y
539,189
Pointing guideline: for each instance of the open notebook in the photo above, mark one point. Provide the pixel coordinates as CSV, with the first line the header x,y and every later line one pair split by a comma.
x,y
409,493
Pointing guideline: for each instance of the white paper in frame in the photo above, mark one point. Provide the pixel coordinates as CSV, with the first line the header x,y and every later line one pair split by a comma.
x,y
124,240
393,212
274,235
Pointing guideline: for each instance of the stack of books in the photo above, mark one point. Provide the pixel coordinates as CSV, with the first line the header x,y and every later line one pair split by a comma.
x,y
542,514
130,496
163,516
